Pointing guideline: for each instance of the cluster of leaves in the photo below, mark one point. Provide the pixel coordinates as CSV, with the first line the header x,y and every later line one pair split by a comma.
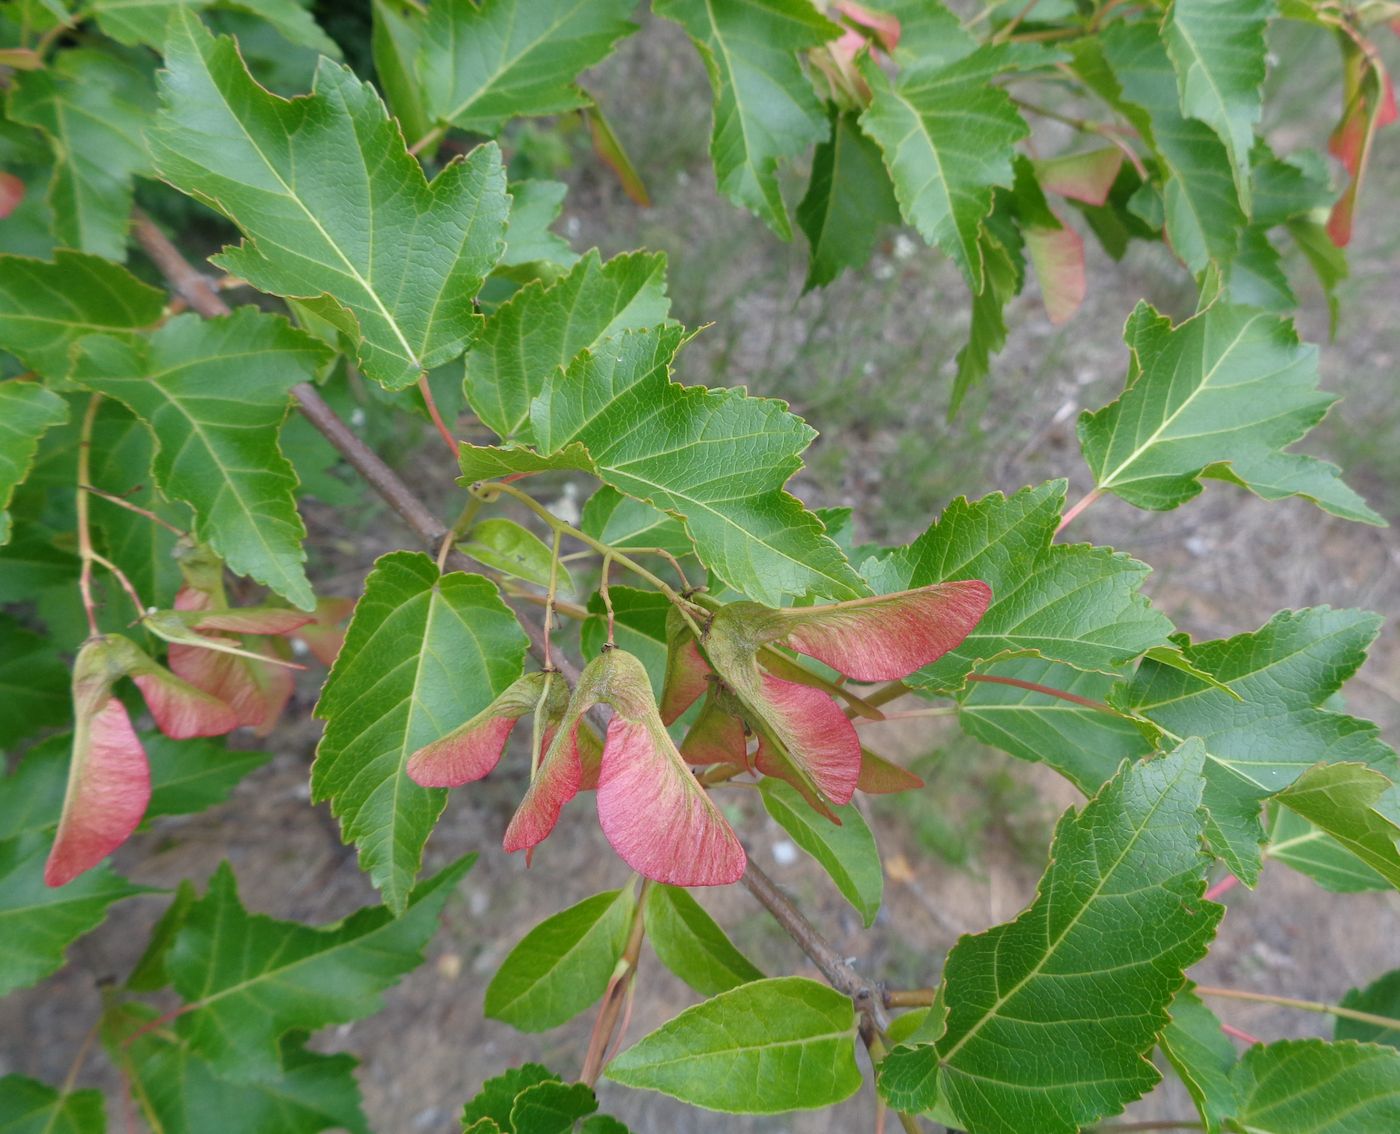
x,y
147,457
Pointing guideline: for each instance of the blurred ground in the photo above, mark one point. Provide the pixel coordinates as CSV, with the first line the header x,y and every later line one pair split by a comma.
x,y
868,361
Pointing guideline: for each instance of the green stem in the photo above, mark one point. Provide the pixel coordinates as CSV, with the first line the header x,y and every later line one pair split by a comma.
x,y
490,491
1371,1018
85,551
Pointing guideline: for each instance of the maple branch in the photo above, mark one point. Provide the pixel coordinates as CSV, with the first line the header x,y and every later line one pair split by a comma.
x,y
839,972
909,997
196,290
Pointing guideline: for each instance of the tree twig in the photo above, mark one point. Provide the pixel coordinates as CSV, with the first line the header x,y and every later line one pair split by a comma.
x,y
839,972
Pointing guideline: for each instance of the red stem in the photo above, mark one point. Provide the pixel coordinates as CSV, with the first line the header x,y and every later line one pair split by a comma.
x,y
1239,1034
1035,687
435,414
1088,499
1224,886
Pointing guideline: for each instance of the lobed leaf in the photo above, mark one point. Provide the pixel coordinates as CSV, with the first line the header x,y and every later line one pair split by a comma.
x,y
247,978
1219,49
481,64
718,459
334,210
1128,65
46,307
1341,799
849,199
1273,729
214,393
94,108
764,108
1075,604
542,328
27,412
424,653
1052,1016
39,922
947,135
1222,395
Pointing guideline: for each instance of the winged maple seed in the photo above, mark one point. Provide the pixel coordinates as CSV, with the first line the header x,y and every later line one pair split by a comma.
x,y
109,782
804,737
653,811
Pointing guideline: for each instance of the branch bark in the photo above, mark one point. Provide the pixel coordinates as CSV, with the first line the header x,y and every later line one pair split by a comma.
x,y
838,971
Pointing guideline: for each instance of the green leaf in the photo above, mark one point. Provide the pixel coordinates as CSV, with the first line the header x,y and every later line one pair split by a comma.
x,y
716,458
423,654
1223,395
1311,1087
1203,1058
120,463
247,978
551,1108
947,134
482,64
45,308
562,965
764,1048
1340,799
497,1095
1219,52
217,453
149,973
144,22
504,546
691,945
1381,998
1299,845
849,199
94,108
34,683
335,211
1128,65
30,1107
625,522
1084,745
1261,743
39,922
1075,604
640,629
1051,1017
846,852
314,1092
542,328
27,412
764,108
395,41
534,206
1004,271
190,776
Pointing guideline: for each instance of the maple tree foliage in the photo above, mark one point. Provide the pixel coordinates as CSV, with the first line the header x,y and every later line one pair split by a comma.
x,y
158,595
